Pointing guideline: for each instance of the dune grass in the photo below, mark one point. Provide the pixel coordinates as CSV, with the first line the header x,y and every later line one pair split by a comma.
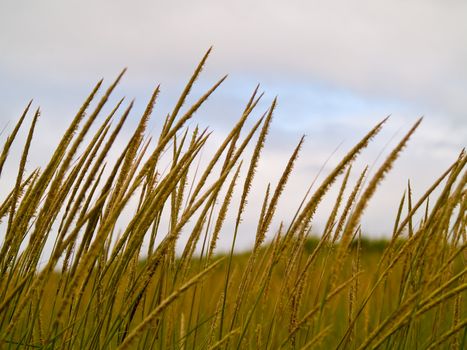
x,y
105,286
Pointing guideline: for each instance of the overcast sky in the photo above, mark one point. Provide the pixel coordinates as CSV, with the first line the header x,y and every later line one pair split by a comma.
x,y
338,68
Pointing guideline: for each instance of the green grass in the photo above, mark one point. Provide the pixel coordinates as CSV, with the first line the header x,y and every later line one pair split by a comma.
x,y
113,283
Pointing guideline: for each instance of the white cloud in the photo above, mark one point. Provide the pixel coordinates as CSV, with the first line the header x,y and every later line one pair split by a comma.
x,y
338,67
406,49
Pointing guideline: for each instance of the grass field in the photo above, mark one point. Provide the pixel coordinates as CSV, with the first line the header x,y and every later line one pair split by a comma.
x,y
102,286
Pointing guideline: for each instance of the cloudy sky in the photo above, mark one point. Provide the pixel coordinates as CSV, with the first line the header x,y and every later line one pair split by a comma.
x,y
338,67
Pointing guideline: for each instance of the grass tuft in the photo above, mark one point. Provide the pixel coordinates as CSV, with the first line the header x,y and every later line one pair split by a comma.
x,y
92,255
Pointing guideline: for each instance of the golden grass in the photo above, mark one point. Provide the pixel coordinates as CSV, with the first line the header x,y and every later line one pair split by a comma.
x,y
104,285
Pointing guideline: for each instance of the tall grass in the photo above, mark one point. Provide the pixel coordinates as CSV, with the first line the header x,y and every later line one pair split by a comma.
x,y
99,285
